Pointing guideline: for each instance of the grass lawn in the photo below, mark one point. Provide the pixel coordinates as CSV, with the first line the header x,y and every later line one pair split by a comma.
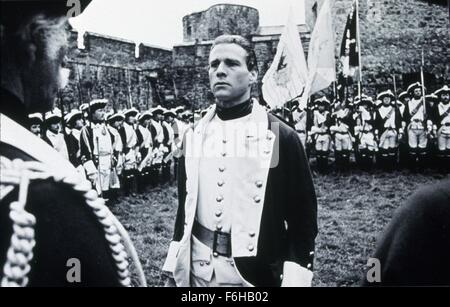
x,y
353,210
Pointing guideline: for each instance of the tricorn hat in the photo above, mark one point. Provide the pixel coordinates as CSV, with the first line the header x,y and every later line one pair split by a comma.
x,y
73,116
384,94
443,90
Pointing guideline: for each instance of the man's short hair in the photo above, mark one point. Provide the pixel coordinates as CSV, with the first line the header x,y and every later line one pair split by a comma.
x,y
251,61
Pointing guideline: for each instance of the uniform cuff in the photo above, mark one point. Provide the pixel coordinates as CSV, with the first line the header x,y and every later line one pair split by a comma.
x,y
169,264
294,275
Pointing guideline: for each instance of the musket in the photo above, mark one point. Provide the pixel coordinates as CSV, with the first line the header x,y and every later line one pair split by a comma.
x,y
98,167
396,101
424,102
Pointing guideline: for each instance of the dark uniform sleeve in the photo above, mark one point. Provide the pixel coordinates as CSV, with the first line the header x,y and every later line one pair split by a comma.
x,y
301,207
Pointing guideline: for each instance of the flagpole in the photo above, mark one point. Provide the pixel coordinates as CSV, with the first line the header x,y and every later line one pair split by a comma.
x,y
422,78
358,37
396,98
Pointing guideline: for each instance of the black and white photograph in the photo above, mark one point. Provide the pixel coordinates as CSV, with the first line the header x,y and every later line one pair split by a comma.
x,y
231,144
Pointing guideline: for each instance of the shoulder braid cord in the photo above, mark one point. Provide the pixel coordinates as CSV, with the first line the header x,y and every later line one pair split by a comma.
x,y
20,252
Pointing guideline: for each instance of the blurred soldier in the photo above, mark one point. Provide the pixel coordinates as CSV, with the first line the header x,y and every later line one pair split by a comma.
x,y
53,135
130,151
388,123
320,133
84,109
341,131
145,144
442,120
96,146
169,139
156,126
115,122
300,119
74,123
432,100
403,99
48,214
35,122
418,125
159,149
366,141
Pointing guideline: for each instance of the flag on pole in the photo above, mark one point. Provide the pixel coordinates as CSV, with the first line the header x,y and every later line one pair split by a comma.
x,y
349,48
321,60
287,77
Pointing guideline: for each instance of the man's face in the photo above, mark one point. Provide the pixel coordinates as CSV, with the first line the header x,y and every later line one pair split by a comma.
x,y
159,117
445,98
78,124
386,101
117,124
417,93
229,77
35,129
98,115
131,120
146,122
169,119
46,74
55,127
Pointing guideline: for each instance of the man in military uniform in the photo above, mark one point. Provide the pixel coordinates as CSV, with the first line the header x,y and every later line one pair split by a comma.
x,y
341,132
145,143
320,133
418,125
366,141
115,121
404,98
48,215
441,115
388,123
35,122
300,118
130,151
247,210
169,139
74,124
53,134
159,149
96,147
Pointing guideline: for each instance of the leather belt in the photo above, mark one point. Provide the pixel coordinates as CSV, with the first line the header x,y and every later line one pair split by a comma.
x,y
218,241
